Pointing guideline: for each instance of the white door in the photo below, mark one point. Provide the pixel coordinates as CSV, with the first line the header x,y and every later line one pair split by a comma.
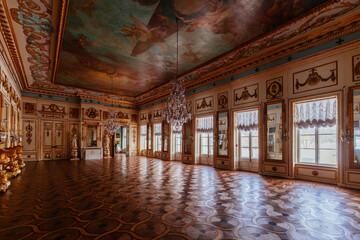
x,y
53,140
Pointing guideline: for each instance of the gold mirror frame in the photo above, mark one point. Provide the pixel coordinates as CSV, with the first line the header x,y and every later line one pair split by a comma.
x,y
283,119
218,135
165,134
149,138
350,130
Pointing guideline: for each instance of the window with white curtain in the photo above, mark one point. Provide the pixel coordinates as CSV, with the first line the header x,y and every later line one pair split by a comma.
x,y
177,135
247,125
143,130
316,131
157,137
205,128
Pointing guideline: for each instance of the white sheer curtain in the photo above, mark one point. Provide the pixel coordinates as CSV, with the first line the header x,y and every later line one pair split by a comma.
x,y
205,125
247,121
320,113
158,129
143,130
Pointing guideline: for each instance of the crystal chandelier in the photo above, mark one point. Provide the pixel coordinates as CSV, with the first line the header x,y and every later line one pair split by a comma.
x,y
176,111
111,124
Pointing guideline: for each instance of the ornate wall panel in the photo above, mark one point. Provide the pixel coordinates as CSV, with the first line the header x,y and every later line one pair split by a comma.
x,y
356,67
246,94
322,76
223,101
133,140
274,88
204,104
30,130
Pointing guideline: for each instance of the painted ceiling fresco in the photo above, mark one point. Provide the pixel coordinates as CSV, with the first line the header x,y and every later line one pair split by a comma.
x,y
132,43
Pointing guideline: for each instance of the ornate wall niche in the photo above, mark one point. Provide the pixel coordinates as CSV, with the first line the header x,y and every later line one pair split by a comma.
x,y
356,68
274,88
29,108
74,112
157,114
321,76
204,104
246,94
223,101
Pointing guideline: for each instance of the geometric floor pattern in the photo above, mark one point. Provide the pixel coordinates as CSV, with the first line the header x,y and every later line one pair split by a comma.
x,y
143,198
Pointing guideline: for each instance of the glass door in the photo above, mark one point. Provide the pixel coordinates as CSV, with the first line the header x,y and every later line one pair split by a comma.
x,y
204,140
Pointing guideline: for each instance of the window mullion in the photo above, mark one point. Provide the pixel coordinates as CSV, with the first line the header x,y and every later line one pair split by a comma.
x,y
250,146
317,145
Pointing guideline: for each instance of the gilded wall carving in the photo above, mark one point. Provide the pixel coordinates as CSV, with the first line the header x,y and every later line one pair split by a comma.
x,y
322,76
204,104
356,67
223,101
274,88
246,94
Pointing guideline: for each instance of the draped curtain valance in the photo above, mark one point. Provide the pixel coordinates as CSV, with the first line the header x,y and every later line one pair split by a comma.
x,y
143,130
158,129
205,125
247,121
177,131
320,113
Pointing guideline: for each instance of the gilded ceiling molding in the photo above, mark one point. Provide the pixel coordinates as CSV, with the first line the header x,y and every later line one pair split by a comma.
x,y
7,32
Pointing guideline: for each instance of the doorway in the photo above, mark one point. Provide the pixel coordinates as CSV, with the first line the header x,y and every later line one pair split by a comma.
x,y
246,139
53,140
204,140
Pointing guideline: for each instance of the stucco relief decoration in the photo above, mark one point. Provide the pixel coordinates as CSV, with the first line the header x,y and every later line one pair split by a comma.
x,y
274,88
122,115
246,94
356,67
314,78
133,134
143,117
29,108
28,129
35,18
53,108
204,104
92,113
74,112
157,114
223,101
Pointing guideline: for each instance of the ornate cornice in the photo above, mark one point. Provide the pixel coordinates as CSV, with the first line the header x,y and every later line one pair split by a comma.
x,y
302,36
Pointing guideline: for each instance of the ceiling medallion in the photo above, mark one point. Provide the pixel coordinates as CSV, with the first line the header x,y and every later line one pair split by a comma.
x,y
176,111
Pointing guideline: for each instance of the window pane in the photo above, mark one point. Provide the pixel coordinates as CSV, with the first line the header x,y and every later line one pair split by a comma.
x,y
307,131
255,153
307,141
327,157
204,150
210,151
307,155
254,142
245,153
244,133
327,130
255,133
244,141
327,141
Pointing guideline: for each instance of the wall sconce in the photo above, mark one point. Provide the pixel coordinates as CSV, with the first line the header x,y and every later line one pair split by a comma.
x,y
346,135
285,135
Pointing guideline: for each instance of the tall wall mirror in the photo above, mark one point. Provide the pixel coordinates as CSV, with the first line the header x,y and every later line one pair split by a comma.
x,y
187,137
223,133
274,125
354,127
165,137
91,136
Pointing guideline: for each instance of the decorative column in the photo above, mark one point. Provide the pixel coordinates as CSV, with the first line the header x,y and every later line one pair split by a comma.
x,y
107,146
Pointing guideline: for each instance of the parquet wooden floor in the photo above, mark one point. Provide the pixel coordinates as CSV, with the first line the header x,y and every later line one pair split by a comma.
x,y
141,198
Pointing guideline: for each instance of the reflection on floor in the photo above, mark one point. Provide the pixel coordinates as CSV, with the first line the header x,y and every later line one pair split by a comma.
x,y
140,198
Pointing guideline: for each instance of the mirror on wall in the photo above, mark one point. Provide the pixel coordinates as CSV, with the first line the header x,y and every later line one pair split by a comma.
x,y
274,128
165,136
223,131
91,136
149,136
187,137
356,127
